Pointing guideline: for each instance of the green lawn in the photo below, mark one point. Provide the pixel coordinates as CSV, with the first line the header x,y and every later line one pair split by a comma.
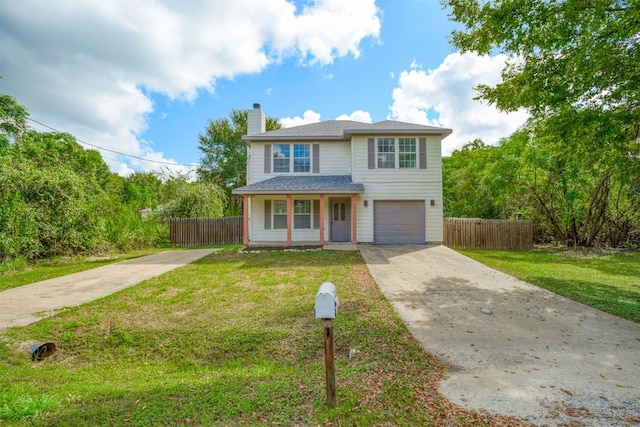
x,y
14,274
228,340
606,280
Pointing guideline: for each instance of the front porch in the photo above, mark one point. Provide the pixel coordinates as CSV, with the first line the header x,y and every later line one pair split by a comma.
x,y
301,210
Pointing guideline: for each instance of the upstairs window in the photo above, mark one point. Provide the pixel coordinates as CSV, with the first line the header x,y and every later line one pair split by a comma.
x,y
407,153
386,153
282,155
281,158
301,158
400,153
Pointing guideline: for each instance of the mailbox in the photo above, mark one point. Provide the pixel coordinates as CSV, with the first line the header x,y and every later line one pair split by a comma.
x,y
326,301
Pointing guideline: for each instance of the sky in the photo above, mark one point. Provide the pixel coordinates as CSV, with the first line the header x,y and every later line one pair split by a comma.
x,y
143,78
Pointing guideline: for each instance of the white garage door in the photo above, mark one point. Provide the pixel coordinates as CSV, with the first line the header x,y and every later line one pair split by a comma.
x,y
398,222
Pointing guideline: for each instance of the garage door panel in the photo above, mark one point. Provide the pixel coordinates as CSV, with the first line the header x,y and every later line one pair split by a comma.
x,y
399,222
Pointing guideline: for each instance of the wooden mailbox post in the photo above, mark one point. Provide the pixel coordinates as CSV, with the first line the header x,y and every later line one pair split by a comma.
x,y
326,308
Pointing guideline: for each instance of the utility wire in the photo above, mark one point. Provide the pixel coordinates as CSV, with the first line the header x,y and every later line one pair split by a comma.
x,y
114,151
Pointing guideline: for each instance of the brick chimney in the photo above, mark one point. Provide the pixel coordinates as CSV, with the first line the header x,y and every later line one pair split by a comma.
x,y
255,121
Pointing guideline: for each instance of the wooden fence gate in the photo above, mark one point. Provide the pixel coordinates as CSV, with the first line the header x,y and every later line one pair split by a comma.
x,y
474,233
191,232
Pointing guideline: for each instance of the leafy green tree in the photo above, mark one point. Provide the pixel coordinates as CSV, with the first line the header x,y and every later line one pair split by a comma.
x,y
192,199
573,65
224,155
563,54
144,190
57,198
13,120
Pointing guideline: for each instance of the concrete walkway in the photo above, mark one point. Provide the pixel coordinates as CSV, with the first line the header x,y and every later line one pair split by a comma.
x,y
536,356
27,304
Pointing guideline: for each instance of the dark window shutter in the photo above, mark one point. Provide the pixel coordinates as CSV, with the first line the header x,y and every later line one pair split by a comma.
x,y
267,158
371,154
267,214
316,158
316,214
423,153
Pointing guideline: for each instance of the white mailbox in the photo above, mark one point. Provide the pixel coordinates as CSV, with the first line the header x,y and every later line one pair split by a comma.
x,y
326,301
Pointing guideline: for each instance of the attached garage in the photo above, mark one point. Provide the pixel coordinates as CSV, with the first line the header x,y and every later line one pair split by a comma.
x,y
399,222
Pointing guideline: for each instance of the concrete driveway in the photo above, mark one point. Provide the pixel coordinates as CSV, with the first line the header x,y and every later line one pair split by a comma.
x,y
28,304
536,356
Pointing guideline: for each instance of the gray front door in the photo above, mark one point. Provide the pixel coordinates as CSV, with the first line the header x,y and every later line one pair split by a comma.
x,y
340,220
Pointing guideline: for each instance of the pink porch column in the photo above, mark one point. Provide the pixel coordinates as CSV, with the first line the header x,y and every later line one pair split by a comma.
x,y
354,210
322,219
245,219
289,216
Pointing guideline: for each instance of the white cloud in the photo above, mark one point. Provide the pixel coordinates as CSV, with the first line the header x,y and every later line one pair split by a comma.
x,y
444,97
88,66
358,116
309,116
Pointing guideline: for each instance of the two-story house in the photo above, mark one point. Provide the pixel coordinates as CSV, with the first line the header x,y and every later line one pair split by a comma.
x,y
342,181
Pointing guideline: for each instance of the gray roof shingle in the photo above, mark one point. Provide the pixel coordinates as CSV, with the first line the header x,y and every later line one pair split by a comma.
x,y
343,130
315,184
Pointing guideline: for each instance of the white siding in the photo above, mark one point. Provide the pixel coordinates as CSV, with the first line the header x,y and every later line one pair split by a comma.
x,y
399,184
257,233
335,159
346,158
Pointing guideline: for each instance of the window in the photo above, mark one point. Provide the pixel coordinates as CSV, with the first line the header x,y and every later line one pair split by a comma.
x,y
301,158
386,153
302,214
282,158
407,153
339,212
386,149
279,214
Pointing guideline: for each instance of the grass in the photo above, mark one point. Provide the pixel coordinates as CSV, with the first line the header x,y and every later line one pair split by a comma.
x,y
606,280
18,272
229,340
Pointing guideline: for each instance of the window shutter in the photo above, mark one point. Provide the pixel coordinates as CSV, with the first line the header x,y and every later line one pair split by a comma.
x,y
267,158
423,153
316,158
267,214
371,154
316,214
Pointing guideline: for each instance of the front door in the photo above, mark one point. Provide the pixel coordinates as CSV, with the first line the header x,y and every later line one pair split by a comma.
x,y
340,220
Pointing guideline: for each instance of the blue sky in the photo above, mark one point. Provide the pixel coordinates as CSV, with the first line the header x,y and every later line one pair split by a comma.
x,y
143,78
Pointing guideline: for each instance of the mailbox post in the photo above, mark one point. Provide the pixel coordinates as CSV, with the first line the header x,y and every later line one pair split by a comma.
x,y
326,308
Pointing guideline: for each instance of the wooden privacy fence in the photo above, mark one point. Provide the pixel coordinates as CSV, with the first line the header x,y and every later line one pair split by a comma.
x,y
473,233
205,231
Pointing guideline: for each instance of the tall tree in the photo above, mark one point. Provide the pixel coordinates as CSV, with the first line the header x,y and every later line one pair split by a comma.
x,y
562,53
573,64
224,155
13,120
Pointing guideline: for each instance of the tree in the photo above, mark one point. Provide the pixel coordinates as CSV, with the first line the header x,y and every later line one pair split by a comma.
x,y
13,120
187,199
476,182
224,155
573,64
563,54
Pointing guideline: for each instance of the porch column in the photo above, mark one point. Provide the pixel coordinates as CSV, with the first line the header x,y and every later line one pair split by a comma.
x,y
245,219
354,219
322,219
289,216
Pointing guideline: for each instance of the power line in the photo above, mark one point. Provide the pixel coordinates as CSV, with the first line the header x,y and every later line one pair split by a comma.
x,y
114,151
